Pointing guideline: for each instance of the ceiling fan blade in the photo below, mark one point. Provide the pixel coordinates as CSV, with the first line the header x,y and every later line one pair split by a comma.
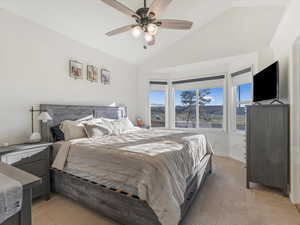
x,y
120,7
176,24
158,6
119,30
151,43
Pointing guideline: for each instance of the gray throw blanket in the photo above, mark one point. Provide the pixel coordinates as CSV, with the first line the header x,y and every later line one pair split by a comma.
x,y
11,196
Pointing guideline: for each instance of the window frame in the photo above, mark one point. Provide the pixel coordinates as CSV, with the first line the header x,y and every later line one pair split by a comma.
x,y
236,103
196,88
164,88
229,85
243,79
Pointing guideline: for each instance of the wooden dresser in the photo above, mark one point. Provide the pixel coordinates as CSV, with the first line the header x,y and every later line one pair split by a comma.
x,y
34,159
268,146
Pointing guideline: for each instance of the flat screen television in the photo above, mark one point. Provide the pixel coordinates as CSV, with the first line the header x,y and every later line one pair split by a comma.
x,y
266,83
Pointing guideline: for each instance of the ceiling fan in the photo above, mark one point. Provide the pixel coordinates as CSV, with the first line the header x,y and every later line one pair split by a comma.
x,y
147,21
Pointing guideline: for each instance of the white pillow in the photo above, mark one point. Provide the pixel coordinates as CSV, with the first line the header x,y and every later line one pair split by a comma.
x,y
127,124
101,123
94,130
112,125
73,129
118,126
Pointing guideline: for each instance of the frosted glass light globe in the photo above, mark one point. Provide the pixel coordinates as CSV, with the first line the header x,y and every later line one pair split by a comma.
x,y
152,28
148,37
136,31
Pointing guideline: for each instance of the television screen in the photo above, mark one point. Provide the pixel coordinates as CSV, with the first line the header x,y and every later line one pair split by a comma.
x,y
265,83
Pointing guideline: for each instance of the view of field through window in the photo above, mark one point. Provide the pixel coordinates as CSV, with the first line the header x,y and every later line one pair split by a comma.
x,y
210,112
158,108
243,96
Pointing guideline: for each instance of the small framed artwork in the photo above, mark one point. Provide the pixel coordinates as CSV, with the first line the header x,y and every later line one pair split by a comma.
x,y
92,73
76,69
105,76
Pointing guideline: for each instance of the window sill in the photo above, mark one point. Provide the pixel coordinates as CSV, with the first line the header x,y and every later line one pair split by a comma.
x,y
209,130
238,132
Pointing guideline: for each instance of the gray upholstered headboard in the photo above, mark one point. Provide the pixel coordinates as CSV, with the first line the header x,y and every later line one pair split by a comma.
x,y
60,113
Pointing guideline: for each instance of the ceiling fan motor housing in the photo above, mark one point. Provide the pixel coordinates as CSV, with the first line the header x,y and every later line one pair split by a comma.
x,y
144,19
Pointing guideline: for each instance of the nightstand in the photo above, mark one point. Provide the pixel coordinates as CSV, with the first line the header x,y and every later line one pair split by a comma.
x,y
34,159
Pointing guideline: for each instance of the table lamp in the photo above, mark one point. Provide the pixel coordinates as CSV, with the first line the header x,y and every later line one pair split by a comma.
x,y
44,117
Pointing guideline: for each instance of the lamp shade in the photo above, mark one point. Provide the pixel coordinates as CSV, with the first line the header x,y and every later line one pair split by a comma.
x,y
44,116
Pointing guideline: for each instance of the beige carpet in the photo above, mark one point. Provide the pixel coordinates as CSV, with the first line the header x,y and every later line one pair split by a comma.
x,y
224,200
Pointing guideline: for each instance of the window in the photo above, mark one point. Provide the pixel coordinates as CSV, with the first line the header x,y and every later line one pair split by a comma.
x,y
157,100
185,109
211,101
201,108
243,97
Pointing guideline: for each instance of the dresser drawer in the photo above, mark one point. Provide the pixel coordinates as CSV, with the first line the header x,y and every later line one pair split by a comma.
x,y
38,168
27,156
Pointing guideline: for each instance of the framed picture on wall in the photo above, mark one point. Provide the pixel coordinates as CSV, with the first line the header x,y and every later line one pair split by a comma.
x,y
76,69
92,73
105,76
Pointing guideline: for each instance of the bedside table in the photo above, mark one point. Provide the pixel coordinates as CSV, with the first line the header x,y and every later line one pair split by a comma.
x,y
31,158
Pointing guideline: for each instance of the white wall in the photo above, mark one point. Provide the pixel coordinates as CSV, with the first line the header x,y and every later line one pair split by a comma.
x,y
288,52
265,58
34,70
237,140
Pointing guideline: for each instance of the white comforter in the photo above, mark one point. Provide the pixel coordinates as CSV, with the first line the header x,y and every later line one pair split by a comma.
x,y
153,163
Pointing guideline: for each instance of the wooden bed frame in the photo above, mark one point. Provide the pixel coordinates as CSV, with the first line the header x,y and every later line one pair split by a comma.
x,y
122,207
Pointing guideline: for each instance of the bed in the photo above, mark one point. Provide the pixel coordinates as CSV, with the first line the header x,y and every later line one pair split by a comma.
x,y
150,185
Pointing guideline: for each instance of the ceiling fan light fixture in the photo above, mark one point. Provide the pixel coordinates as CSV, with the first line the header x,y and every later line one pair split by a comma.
x,y
146,20
152,28
136,31
148,37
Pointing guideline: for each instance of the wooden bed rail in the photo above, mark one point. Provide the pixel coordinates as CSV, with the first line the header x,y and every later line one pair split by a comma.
x,y
120,191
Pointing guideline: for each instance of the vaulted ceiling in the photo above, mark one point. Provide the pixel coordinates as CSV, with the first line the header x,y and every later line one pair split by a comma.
x,y
243,24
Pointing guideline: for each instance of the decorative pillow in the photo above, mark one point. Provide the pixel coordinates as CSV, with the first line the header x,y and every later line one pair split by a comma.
x,y
94,130
57,134
72,129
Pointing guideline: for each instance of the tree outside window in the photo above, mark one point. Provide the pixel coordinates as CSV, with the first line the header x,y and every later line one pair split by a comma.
x,y
207,103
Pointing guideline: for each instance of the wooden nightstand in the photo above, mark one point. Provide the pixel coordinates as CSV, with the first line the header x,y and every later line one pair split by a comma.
x,y
34,159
